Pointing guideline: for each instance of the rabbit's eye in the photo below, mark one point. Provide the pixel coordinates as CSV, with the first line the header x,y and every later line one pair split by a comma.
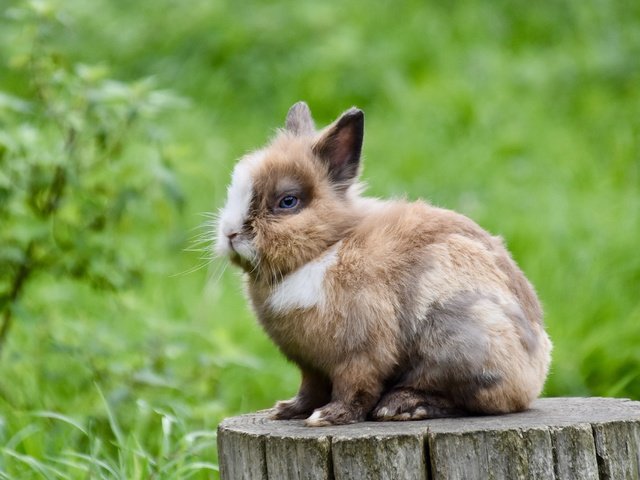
x,y
288,201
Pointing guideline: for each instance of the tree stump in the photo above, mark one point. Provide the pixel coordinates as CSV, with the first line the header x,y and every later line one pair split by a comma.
x,y
561,438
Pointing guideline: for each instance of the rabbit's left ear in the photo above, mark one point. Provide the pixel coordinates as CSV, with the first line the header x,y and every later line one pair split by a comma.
x,y
340,146
299,120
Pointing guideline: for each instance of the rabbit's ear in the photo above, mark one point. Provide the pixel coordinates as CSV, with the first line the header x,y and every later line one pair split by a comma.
x,y
340,146
299,120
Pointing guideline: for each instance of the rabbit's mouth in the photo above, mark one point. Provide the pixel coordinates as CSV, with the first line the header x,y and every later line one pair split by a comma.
x,y
241,252
241,262
232,248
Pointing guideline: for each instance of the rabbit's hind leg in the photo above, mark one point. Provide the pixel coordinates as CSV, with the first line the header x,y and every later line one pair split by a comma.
x,y
405,403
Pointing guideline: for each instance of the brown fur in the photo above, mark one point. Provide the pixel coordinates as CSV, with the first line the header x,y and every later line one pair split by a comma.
x,y
419,312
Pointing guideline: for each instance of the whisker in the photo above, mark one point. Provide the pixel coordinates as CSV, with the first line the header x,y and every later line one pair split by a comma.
x,y
200,243
204,238
214,215
191,270
222,268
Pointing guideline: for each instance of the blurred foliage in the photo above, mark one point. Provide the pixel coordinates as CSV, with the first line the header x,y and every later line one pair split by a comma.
x,y
66,182
523,115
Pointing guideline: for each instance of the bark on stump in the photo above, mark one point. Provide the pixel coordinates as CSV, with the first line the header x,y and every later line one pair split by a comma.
x,y
558,438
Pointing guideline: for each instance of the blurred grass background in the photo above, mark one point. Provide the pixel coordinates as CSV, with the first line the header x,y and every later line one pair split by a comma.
x,y
523,115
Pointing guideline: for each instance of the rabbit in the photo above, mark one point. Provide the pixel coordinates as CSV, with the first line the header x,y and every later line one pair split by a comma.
x,y
392,310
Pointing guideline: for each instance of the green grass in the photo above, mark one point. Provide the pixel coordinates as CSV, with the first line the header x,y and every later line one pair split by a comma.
x,y
523,115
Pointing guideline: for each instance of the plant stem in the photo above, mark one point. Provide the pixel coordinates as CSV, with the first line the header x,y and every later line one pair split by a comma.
x,y
56,190
16,290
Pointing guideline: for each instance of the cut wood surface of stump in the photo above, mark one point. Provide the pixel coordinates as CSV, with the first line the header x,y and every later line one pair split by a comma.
x,y
558,438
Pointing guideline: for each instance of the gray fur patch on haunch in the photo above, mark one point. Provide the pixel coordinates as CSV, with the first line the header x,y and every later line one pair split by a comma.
x,y
454,351
528,337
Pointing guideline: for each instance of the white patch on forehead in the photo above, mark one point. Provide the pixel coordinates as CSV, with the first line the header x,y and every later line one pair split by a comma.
x,y
239,194
304,288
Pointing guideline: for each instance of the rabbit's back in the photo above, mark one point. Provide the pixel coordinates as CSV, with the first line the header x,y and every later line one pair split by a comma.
x,y
407,245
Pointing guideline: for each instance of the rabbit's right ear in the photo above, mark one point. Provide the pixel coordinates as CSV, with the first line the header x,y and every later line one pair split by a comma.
x,y
299,120
340,145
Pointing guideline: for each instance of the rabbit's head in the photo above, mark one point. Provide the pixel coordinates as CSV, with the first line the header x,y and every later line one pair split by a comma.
x,y
293,199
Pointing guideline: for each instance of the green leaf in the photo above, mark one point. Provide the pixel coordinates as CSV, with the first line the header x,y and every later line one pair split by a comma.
x,y
15,104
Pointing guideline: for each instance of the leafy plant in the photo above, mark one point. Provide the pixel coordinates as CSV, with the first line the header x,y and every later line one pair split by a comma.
x,y
70,179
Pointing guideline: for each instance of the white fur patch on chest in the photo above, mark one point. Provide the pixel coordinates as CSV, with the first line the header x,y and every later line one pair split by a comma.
x,y
304,288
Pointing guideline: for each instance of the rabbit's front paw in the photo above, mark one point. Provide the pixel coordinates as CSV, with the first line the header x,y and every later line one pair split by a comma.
x,y
334,413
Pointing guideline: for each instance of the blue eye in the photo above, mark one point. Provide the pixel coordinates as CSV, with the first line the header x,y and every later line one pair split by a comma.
x,y
288,201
